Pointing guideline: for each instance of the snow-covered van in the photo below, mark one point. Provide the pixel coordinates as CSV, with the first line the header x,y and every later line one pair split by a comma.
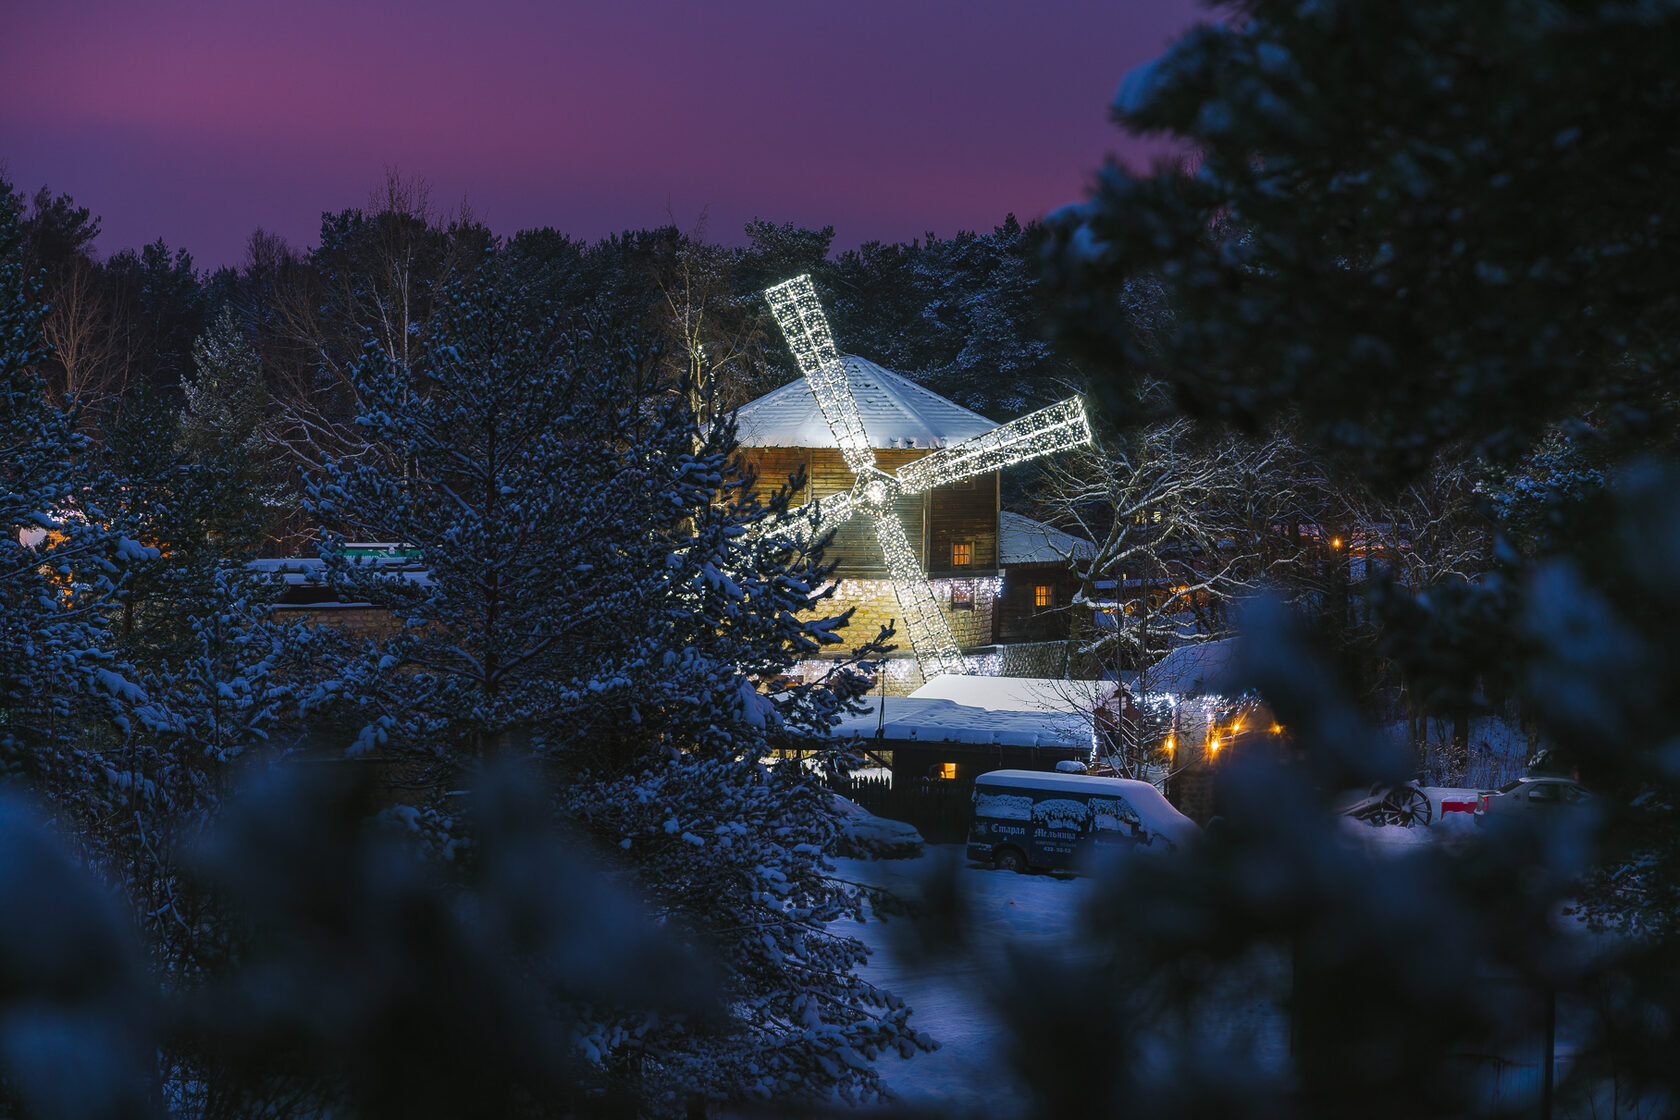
x,y
1025,818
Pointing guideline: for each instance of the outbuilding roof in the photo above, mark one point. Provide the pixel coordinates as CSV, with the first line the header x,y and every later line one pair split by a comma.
x,y
1198,669
1005,710
896,413
1021,540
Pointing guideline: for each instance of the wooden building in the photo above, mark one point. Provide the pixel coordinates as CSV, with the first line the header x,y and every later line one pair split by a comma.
x,y
998,577
952,529
1040,577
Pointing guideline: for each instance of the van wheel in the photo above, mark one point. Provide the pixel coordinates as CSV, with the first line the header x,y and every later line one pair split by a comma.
x,y
1009,859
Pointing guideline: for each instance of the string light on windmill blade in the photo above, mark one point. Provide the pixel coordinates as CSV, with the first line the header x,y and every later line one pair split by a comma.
x,y
809,522
798,311
1059,427
924,623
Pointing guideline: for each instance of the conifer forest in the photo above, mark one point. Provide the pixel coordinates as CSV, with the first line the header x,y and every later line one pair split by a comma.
x,y
1381,362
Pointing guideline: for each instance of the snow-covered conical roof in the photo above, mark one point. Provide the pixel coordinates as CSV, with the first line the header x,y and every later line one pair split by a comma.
x,y
896,412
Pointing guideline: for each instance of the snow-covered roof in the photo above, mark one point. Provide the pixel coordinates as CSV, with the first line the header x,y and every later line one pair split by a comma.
x,y
936,721
310,571
1015,694
1021,540
1013,711
1205,667
896,413
1153,809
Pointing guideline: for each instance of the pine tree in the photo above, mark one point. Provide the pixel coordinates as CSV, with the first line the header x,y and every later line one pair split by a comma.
x,y
1428,232
63,568
592,596
222,432
1437,223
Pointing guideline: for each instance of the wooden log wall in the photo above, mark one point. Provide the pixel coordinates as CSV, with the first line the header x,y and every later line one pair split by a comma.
x,y
934,522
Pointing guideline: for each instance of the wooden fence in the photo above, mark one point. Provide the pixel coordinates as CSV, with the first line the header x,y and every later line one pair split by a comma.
x,y
941,810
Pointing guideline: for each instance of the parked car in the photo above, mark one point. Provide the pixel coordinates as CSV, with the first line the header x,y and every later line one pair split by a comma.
x,y
1527,795
1026,819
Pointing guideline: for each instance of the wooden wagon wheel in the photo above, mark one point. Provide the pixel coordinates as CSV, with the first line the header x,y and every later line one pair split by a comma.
x,y
1405,805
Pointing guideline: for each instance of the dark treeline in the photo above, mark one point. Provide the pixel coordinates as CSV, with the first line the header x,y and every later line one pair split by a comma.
x,y
959,315
1394,370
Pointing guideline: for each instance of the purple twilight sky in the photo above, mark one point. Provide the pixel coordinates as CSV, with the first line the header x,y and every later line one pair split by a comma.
x,y
198,122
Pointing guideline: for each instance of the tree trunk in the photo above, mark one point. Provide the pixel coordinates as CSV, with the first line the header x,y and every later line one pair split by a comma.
x,y
1458,754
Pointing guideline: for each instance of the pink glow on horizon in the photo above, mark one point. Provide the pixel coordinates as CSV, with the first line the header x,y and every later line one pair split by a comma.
x,y
199,122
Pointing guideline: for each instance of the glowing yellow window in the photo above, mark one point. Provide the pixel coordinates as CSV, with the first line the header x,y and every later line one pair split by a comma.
x,y
962,554
948,771
1042,596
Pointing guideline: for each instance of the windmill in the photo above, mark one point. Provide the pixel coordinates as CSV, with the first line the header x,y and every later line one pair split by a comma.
x,y
1057,428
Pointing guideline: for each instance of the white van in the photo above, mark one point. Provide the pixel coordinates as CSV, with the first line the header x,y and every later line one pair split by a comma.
x,y
1029,819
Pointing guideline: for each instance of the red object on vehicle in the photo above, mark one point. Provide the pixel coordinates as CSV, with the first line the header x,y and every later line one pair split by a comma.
x,y
1459,807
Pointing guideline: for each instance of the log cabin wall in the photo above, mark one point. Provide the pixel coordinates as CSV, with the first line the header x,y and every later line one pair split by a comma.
x,y
1018,616
874,604
964,513
934,522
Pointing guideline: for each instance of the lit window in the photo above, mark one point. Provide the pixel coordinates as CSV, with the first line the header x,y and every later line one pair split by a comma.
x,y
962,554
948,771
1043,597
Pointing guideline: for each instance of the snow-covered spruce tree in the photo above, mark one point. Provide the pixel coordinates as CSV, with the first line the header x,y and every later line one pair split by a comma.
x,y
1453,232
1445,222
589,597
62,567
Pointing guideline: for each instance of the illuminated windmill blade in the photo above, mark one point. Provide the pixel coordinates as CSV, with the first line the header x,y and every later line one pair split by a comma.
x,y
1060,427
810,521
930,635
795,306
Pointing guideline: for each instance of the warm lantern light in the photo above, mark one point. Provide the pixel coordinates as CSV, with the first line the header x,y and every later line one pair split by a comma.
x,y
1277,729
1335,542
1171,744
1057,428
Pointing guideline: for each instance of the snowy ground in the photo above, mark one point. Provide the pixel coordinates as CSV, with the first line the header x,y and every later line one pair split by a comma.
x,y
968,1074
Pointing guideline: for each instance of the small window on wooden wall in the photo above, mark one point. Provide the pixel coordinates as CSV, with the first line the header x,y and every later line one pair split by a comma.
x,y
962,554
962,596
1044,597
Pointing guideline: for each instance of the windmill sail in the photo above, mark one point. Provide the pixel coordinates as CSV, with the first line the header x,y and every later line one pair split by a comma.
x,y
1048,430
